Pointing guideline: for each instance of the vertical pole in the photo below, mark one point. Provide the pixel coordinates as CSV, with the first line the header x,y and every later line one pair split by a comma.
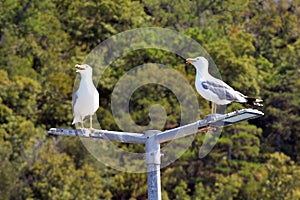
x,y
153,165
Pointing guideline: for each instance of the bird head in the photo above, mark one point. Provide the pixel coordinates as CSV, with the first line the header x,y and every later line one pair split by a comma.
x,y
198,62
84,69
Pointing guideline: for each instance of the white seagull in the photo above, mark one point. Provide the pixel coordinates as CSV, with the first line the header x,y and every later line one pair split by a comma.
x,y
216,90
86,98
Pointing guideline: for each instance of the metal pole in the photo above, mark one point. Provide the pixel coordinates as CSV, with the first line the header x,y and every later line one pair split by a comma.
x,y
153,161
153,138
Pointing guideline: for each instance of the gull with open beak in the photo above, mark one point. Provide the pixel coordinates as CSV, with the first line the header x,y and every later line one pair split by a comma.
x,y
86,98
215,90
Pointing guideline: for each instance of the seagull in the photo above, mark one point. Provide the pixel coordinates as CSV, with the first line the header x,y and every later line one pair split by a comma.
x,y
86,98
215,90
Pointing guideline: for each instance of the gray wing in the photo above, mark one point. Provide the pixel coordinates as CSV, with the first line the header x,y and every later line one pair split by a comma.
x,y
223,91
74,102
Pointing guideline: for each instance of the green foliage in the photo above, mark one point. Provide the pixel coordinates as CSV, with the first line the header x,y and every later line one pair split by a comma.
x,y
227,187
283,134
279,181
7,171
181,191
123,189
53,176
255,45
90,23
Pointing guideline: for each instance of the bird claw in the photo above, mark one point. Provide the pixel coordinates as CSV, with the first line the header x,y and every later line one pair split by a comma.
x,y
212,117
91,129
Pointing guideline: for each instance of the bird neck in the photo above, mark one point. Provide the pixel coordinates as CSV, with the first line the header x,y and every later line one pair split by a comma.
x,y
202,74
86,79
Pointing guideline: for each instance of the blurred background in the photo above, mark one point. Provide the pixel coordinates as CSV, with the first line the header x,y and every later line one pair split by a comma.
x,y
255,45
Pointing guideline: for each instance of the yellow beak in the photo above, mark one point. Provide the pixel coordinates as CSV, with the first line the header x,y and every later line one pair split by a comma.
x,y
78,68
190,60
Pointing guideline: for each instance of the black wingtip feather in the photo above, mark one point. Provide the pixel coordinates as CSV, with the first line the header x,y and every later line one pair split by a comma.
x,y
254,101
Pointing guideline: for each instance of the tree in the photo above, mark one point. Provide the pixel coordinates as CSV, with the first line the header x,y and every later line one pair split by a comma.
x,y
280,179
255,45
54,176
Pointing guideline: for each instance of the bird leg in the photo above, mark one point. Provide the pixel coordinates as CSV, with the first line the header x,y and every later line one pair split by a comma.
x,y
91,122
82,123
213,108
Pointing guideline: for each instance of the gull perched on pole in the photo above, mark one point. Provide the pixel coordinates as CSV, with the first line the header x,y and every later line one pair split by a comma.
x,y
86,98
215,90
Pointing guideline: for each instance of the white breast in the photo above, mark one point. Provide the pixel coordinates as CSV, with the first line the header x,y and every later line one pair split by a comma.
x,y
87,101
